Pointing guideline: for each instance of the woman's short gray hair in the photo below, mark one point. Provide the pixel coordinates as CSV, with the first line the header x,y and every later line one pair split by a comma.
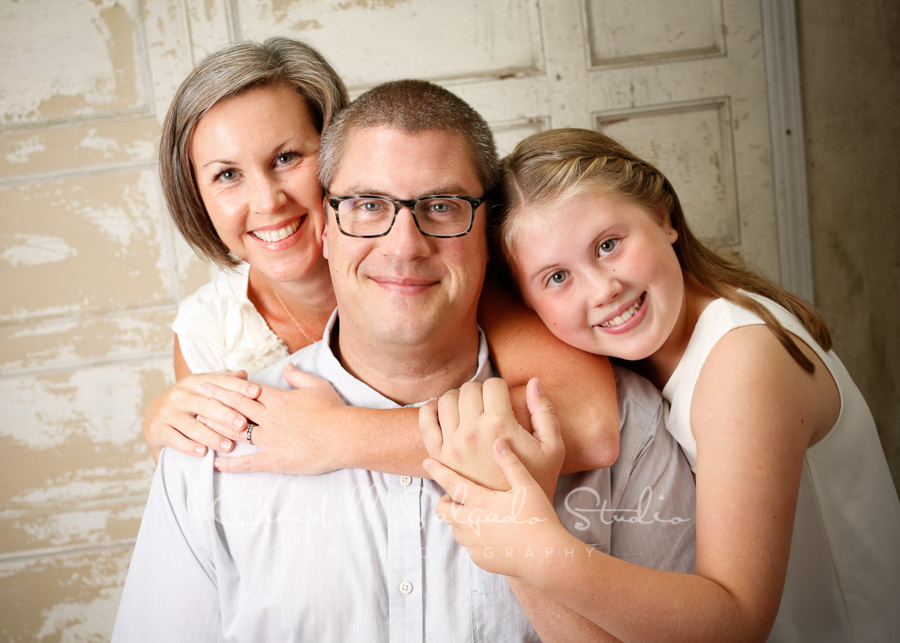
x,y
221,75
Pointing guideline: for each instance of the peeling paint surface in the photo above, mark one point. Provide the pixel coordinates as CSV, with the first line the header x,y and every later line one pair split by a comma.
x,y
77,35
35,249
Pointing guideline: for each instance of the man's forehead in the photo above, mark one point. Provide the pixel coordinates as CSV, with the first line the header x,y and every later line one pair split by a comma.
x,y
387,160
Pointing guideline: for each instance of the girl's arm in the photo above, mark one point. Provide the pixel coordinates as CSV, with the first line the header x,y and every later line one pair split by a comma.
x,y
310,430
580,385
754,413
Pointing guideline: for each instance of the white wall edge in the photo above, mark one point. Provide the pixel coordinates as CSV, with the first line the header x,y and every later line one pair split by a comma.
x,y
788,153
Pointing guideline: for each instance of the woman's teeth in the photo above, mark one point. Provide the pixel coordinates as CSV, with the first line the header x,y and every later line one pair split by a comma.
x,y
277,235
618,320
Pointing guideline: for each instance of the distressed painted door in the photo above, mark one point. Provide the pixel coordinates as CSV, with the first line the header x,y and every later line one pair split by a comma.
x,y
92,271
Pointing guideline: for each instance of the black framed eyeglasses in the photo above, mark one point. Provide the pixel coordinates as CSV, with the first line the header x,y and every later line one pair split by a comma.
x,y
436,215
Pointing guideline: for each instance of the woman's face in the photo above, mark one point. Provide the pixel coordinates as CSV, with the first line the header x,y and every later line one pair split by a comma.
x,y
254,157
601,272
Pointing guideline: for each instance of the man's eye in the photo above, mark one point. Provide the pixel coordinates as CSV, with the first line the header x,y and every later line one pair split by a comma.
x,y
370,206
607,246
441,207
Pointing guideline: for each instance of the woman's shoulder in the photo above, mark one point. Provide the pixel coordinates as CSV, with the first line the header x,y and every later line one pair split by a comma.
x,y
219,327
228,284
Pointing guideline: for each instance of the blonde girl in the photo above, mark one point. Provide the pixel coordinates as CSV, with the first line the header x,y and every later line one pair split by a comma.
x,y
798,522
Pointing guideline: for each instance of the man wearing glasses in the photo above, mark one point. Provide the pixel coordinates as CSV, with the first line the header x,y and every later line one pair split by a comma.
x,y
356,555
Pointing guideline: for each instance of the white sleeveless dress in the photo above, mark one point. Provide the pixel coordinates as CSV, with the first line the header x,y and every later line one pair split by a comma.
x,y
843,577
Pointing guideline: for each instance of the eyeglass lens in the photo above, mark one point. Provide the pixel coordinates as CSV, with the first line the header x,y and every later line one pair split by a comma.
x,y
371,216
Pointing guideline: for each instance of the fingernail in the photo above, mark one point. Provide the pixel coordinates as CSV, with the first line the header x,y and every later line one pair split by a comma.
x,y
254,389
224,445
539,387
200,450
238,423
501,445
203,389
290,366
426,463
216,464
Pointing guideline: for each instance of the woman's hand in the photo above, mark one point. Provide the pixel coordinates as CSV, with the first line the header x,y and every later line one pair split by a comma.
x,y
196,414
299,431
460,428
505,530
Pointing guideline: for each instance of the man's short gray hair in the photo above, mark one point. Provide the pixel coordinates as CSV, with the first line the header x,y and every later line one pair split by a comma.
x,y
412,106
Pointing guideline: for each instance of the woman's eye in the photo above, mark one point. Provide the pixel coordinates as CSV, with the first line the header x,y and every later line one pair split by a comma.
x,y
225,175
607,246
285,157
558,277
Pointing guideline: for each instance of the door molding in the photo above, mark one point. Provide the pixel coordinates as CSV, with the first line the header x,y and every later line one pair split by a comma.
x,y
788,152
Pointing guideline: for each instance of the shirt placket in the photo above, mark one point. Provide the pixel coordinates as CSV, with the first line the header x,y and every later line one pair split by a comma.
x,y
405,583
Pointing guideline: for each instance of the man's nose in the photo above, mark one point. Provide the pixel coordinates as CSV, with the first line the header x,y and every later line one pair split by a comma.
x,y
267,195
404,239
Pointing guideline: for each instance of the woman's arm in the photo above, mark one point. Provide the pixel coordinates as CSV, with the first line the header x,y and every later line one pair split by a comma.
x,y
311,431
185,419
753,414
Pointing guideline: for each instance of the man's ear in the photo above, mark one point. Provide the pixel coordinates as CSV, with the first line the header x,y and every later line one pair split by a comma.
x,y
325,228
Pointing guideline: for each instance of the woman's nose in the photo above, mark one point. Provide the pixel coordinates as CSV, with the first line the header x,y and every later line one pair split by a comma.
x,y
267,195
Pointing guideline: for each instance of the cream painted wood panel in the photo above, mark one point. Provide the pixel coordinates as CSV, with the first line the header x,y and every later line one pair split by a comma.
x,y
91,270
682,83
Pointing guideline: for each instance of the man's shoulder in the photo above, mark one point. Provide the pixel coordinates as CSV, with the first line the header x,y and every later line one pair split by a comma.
x,y
638,399
307,359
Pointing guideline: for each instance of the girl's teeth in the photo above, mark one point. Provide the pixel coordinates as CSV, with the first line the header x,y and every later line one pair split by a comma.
x,y
618,320
277,235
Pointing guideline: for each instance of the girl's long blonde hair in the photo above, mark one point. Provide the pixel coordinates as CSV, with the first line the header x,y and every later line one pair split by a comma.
x,y
559,164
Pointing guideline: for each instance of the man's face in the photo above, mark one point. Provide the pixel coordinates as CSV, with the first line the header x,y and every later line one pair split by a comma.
x,y
405,288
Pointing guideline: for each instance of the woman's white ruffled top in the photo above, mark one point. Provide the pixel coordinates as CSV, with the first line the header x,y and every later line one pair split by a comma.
x,y
219,328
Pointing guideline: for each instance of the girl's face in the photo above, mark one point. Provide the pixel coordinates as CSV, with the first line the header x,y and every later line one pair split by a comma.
x,y
601,272
254,156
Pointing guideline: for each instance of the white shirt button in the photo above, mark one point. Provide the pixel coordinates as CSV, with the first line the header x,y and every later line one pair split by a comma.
x,y
406,480
405,587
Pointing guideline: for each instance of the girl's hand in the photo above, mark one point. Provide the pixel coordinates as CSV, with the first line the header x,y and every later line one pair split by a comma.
x,y
299,431
196,414
460,429
505,532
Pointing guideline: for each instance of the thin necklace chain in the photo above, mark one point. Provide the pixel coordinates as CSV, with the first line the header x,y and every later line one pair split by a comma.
x,y
296,323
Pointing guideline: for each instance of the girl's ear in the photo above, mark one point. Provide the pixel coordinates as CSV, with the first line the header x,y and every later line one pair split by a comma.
x,y
665,221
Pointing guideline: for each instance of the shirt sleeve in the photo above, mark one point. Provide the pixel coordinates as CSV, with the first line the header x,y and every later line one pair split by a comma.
x,y
170,592
653,488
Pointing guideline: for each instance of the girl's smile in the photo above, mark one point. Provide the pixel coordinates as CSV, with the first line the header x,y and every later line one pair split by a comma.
x,y
601,272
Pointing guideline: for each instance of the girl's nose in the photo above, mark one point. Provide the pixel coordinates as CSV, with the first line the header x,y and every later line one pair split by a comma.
x,y
604,286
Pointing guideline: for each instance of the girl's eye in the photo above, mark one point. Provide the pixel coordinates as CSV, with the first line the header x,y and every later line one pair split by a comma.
x,y
558,277
607,246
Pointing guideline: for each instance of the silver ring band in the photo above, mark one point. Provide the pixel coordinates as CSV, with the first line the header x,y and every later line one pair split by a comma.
x,y
250,426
